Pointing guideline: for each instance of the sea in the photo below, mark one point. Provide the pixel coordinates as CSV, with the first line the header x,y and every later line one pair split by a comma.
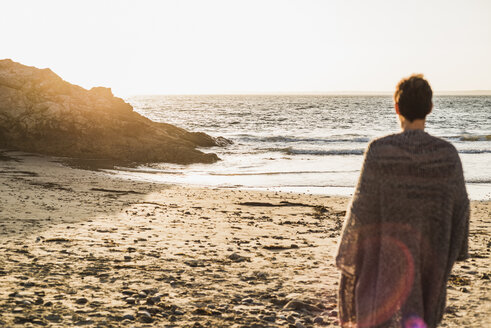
x,y
307,143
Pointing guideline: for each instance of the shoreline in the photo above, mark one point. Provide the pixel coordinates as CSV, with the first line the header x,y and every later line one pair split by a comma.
x,y
88,248
476,191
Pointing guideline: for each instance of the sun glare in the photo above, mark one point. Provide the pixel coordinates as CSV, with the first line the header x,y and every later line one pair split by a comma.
x,y
217,46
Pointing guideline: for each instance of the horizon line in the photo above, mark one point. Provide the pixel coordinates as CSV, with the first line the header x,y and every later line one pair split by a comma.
x,y
320,93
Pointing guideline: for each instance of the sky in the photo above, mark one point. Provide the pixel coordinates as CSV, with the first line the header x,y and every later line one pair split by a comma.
x,y
252,46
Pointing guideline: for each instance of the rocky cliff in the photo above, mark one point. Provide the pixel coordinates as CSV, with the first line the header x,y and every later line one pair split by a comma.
x,y
42,113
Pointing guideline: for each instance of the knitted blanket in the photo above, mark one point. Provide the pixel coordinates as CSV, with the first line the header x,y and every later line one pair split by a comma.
x,y
406,225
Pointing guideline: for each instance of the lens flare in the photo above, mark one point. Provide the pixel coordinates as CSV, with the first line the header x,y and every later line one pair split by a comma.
x,y
397,290
414,322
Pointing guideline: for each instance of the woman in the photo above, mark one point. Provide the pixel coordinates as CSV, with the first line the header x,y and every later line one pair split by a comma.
x,y
406,225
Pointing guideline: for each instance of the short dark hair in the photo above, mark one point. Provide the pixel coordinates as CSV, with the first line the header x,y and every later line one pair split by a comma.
x,y
413,94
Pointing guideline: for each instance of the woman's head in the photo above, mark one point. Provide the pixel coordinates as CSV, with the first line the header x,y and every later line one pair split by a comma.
x,y
413,97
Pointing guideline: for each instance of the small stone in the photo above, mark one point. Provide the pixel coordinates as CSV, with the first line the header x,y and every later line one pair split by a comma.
x,y
248,300
21,320
151,291
257,325
142,294
129,316
296,304
155,299
298,324
18,310
48,303
130,300
464,290
202,311
53,317
39,301
84,322
127,258
237,258
145,317
81,301
319,320
39,322
333,313
269,318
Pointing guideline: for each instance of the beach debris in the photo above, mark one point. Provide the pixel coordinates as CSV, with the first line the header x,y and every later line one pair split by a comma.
x,y
53,317
238,258
144,316
277,247
117,191
457,280
128,316
298,324
282,203
19,173
81,301
57,240
299,305
50,185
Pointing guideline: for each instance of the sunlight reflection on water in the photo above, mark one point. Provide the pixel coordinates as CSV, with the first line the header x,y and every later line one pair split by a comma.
x,y
310,143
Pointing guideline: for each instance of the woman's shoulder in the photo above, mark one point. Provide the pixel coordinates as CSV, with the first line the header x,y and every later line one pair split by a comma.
x,y
413,141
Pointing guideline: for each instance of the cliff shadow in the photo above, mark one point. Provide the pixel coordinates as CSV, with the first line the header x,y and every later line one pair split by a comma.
x,y
38,193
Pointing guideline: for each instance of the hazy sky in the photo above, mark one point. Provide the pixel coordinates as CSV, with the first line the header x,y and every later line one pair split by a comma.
x,y
235,46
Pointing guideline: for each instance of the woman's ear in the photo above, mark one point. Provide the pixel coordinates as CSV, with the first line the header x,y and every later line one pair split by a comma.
x,y
396,105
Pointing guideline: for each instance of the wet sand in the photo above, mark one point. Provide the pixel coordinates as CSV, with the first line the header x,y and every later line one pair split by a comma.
x,y
85,248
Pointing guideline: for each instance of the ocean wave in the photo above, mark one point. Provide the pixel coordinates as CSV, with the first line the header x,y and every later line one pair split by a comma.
x,y
352,151
145,169
474,151
469,137
318,152
279,173
291,139
478,180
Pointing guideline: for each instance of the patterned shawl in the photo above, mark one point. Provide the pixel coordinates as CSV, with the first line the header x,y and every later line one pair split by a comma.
x,y
406,225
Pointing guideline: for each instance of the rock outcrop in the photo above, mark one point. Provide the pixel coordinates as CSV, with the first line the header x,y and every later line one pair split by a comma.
x,y
42,113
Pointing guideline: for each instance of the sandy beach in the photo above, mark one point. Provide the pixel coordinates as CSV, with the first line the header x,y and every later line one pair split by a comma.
x,y
85,248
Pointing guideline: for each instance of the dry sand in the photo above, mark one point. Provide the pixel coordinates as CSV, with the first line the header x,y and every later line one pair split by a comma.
x,y
85,248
